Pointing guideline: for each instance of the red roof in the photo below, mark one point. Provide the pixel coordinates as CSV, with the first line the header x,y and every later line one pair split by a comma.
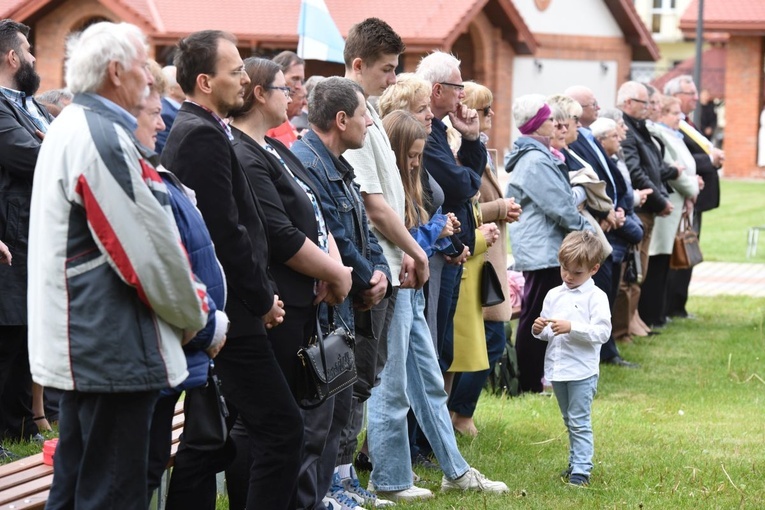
x,y
268,22
730,16
712,72
422,24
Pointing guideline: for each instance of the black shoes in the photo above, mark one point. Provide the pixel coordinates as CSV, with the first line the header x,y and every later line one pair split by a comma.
x,y
579,480
619,362
362,462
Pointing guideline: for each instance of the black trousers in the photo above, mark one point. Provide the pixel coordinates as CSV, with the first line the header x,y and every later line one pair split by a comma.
x,y
607,280
15,385
256,390
102,454
531,351
653,292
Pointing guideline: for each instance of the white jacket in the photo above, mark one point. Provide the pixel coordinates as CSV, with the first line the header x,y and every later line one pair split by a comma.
x,y
110,285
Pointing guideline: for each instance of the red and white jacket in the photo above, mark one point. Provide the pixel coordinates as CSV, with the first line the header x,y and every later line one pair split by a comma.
x,y
110,285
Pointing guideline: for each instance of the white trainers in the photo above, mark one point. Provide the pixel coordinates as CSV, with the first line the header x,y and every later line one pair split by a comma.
x,y
473,480
411,494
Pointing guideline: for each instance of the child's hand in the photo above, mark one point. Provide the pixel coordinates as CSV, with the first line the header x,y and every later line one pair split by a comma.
x,y
559,326
456,225
447,230
539,325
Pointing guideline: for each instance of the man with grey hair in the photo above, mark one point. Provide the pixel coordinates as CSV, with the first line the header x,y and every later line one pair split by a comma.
x,y
111,293
644,161
55,100
708,161
171,103
460,181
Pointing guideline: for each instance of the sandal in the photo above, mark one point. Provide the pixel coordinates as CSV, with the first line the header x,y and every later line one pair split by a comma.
x,y
44,426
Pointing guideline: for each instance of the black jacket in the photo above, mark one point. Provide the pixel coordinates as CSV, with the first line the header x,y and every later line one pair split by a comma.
x,y
288,211
199,152
19,146
646,165
709,197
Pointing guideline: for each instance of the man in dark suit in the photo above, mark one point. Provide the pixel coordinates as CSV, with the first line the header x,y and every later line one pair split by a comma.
x,y
708,161
589,149
171,103
23,123
199,151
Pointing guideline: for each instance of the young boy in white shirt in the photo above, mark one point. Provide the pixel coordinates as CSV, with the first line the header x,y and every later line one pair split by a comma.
x,y
576,321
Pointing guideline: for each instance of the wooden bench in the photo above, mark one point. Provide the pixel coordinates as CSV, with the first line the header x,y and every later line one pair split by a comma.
x,y
25,483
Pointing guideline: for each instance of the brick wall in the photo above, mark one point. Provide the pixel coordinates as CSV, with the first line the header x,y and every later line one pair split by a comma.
x,y
743,90
51,31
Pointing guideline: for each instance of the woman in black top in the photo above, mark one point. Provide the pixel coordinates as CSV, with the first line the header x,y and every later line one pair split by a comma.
x,y
304,261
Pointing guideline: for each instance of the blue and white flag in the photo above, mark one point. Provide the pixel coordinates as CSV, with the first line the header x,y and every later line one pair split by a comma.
x,y
319,37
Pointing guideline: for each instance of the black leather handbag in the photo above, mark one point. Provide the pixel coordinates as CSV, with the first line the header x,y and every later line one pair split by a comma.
x,y
328,364
205,413
491,288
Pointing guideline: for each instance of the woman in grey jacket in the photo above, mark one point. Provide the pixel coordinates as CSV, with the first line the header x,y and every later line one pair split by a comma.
x,y
543,191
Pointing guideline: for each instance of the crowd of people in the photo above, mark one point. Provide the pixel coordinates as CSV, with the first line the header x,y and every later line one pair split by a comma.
x,y
207,217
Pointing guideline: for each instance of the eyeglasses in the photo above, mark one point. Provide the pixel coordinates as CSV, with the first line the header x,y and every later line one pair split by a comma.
x,y
286,90
457,86
638,100
687,92
486,110
238,72
594,104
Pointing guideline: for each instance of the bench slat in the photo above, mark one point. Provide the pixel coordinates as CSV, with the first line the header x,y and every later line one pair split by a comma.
x,y
21,464
29,503
27,489
27,475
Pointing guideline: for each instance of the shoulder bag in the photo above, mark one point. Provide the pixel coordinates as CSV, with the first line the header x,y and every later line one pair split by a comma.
x,y
328,365
686,251
205,413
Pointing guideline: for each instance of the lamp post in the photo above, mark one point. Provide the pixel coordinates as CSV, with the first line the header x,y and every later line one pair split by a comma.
x,y
698,63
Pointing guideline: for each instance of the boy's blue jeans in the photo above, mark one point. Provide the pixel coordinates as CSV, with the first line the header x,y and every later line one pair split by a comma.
x,y
575,402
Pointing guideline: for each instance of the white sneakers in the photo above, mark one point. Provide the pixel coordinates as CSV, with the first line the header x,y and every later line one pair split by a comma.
x,y
473,480
411,494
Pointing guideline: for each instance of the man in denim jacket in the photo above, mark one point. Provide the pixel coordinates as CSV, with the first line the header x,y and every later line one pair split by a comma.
x,y
339,121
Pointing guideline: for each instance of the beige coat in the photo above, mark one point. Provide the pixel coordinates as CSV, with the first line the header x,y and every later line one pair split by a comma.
x,y
494,209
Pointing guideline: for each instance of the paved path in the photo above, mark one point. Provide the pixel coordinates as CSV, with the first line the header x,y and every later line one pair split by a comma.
x,y
718,278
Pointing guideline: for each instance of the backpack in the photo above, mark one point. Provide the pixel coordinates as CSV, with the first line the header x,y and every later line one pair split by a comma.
x,y
503,380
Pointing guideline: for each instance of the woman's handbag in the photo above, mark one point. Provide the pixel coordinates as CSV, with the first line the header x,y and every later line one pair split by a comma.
x,y
686,252
491,288
328,364
205,409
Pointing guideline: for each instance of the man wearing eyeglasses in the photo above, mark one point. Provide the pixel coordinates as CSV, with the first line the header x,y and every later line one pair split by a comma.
x,y
644,161
200,152
460,180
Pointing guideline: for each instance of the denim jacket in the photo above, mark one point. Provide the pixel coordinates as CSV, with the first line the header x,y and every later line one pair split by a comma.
x,y
345,214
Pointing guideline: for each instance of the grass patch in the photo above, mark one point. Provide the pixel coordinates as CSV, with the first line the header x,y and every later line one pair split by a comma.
x,y
724,230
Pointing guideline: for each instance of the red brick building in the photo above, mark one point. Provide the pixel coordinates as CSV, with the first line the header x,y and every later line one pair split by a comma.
x,y
742,22
487,35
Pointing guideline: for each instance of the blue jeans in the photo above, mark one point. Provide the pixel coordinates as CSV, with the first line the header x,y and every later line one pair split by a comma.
x,y
575,402
411,377
468,385
451,276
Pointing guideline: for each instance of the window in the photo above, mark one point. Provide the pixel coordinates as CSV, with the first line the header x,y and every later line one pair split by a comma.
x,y
659,10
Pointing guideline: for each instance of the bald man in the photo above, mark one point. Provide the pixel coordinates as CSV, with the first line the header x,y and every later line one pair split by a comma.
x,y
171,103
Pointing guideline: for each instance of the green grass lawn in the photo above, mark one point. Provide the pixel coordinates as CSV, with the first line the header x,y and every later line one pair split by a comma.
x,y
686,431
724,230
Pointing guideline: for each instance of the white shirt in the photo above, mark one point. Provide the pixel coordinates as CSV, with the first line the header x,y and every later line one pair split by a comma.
x,y
576,355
